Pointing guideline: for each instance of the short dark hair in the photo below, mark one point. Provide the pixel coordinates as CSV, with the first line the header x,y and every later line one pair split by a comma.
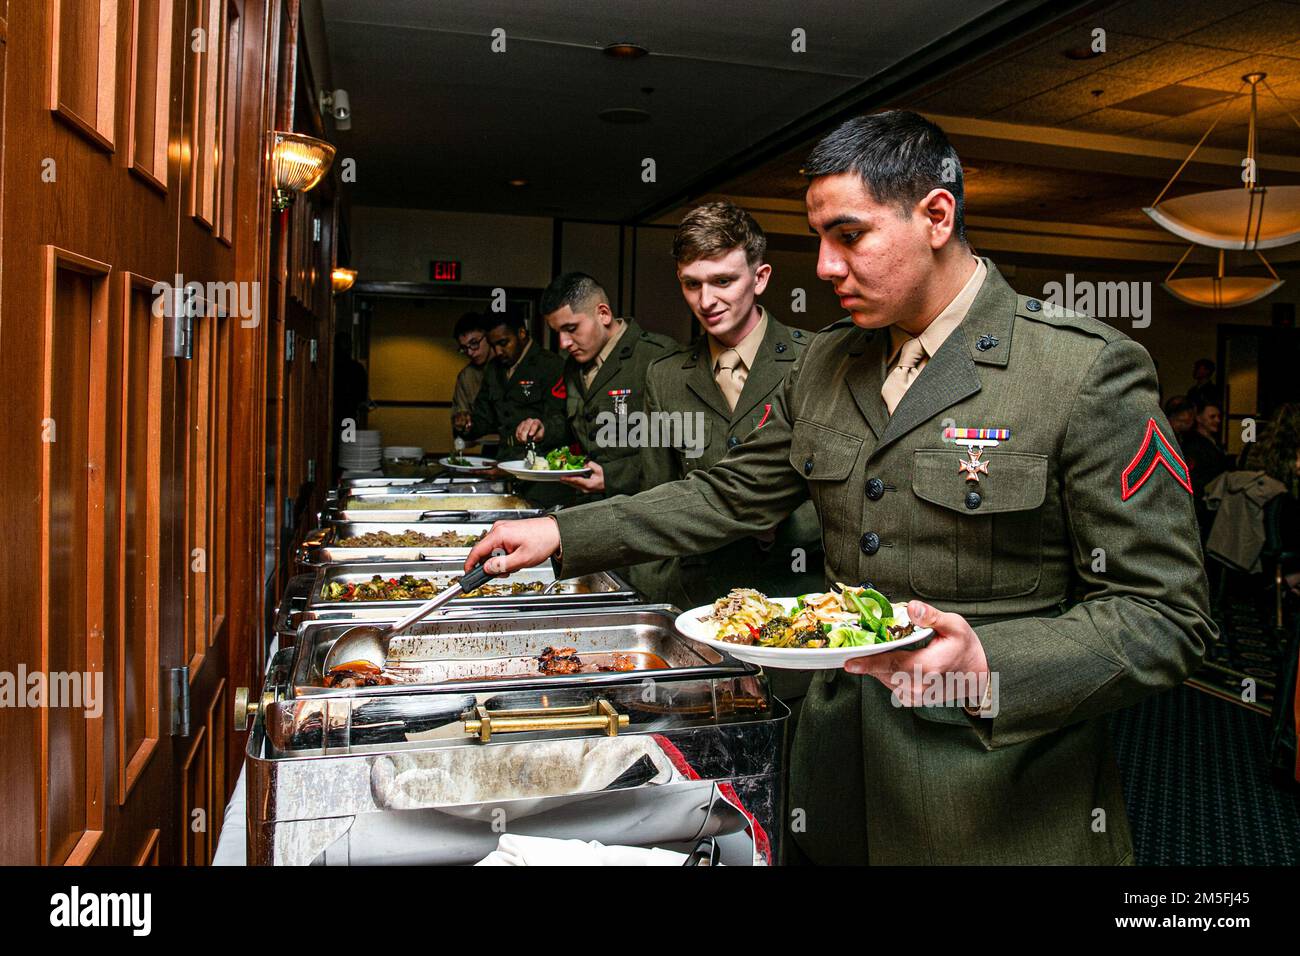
x,y
577,290
1177,404
715,228
1204,401
467,323
510,319
1205,364
900,156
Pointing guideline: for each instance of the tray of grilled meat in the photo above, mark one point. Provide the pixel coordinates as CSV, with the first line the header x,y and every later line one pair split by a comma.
x,y
387,590
352,541
536,651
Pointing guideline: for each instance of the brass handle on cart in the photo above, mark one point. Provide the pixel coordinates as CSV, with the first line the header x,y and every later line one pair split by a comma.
x,y
598,715
245,709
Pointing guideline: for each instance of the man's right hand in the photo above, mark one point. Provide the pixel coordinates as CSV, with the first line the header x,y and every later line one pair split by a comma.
x,y
526,541
530,429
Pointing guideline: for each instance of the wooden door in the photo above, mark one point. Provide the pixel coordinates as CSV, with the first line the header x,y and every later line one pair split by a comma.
x,y
130,137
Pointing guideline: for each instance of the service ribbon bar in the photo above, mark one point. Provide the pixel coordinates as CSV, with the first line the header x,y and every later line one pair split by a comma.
x,y
978,434
620,391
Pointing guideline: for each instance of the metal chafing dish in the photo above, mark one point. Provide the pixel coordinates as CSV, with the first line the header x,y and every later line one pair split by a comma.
x,y
293,604
399,483
420,488
434,507
602,588
322,545
432,772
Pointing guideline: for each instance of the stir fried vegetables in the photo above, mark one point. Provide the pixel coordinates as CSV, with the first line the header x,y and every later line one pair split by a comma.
x,y
410,588
849,617
409,539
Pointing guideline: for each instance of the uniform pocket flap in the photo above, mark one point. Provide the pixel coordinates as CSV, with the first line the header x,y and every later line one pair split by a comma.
x,y
820,453
1015,481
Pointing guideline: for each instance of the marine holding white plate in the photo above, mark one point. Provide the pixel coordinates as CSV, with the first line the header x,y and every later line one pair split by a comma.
x,y
1063,559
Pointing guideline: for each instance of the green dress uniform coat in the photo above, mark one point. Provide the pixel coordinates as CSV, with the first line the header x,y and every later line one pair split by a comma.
x,y
683,382
536,390
619,387
1082,579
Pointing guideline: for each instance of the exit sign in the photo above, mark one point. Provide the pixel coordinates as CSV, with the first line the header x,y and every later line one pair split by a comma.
x,y
444,270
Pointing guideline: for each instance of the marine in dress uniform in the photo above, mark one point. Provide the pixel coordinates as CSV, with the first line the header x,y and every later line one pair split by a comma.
x,y
532,388
1007,462
605,394
1015,553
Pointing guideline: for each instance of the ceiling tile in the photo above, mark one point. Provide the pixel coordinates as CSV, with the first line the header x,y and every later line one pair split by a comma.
x,y
1075,98
1168,19
1111,121
1282,72
1051,52
1257,29
984,93
1172,62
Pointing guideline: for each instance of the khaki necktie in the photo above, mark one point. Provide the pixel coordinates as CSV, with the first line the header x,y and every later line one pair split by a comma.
x,y
903,374
730,374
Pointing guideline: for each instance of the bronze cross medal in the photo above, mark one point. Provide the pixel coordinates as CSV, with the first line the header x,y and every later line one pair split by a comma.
x,y
974,468
975,440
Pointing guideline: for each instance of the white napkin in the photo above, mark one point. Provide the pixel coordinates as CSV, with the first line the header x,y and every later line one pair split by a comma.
x,y
517,850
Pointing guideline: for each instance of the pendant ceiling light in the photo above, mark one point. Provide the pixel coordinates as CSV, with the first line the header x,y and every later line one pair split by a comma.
x,y
298,162
1252,217
1221,291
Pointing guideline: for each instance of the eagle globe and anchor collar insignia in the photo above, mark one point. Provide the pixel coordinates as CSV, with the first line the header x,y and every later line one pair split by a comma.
x,y
975,440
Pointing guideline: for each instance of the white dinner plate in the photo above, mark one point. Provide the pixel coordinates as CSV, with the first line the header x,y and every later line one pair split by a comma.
x,y
692,624
476,463
519,470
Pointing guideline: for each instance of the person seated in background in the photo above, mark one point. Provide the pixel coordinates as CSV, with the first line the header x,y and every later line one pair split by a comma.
x,y
471,340
523,381
1204,389
604,376
1182,416
1205,458
1277,454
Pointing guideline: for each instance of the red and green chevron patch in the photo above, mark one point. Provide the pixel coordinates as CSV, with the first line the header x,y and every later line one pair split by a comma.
x,y
1151,454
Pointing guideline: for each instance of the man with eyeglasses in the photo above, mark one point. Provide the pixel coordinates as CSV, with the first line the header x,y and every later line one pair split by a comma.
x,y
471,339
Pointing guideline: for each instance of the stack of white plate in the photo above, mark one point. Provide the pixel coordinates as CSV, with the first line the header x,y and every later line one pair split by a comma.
x,y
413,452
364,454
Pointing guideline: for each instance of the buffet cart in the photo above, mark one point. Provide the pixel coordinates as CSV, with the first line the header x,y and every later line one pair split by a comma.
x,y
472,740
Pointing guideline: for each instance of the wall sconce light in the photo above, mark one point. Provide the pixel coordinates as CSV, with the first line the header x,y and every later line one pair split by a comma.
x,y
341,279
299,162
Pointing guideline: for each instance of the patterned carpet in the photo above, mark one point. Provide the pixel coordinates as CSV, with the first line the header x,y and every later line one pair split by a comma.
x,y
1248,646
1197,784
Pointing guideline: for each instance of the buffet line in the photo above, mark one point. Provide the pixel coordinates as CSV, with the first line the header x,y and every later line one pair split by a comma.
x,y
532,705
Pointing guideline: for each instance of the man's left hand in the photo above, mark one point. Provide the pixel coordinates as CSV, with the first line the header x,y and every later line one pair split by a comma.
x,y
954,649
593,482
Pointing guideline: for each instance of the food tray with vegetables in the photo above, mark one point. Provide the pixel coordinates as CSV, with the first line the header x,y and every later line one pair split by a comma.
x,y
809,632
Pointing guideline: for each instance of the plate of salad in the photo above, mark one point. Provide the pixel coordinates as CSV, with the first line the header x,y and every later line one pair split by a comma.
x,y
818,631
556,464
